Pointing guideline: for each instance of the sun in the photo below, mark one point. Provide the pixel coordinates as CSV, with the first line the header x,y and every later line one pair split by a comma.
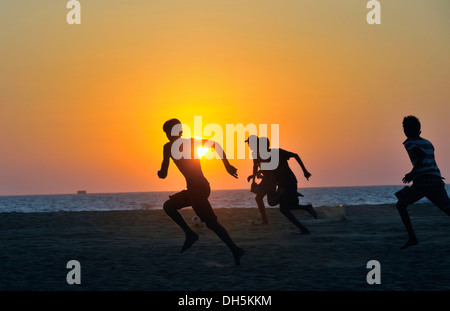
x,y
201,151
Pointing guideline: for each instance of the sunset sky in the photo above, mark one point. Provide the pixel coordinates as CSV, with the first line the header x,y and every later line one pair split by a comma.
x,y
82,106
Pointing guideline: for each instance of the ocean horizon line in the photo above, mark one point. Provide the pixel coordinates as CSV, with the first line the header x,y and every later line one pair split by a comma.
x,y
179,189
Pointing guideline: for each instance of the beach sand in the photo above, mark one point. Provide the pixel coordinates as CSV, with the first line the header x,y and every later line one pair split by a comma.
x,y
140,250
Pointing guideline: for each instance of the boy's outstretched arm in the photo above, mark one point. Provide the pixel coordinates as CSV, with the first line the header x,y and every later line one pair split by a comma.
x,y
218,148
162,173
300,162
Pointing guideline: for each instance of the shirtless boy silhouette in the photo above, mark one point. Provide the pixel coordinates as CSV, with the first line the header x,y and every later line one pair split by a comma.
x,y
198,189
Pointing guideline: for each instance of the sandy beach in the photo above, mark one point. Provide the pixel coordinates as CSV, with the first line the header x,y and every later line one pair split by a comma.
x,y
140,250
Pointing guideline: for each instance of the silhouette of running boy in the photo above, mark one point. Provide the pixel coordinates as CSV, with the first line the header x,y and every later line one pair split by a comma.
x,y
282,176
182,153
267,185
425,175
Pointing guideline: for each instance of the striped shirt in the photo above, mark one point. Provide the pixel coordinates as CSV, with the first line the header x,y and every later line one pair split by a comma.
x,y
428,165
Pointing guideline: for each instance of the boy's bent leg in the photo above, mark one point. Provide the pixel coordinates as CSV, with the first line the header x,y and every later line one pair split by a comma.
x,y
289,201
204,210
307,208
171,208
222,233
406,197
439,197
285,210
262,208
404,215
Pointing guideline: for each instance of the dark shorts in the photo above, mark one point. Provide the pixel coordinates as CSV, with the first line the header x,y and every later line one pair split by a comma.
x,y
287,194
196,196
267,187
433,188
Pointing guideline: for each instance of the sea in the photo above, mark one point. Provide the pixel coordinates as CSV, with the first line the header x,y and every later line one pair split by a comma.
x,y
242,198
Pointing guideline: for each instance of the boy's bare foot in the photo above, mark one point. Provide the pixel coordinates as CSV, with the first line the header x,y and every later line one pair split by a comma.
x,y
190,239
411,242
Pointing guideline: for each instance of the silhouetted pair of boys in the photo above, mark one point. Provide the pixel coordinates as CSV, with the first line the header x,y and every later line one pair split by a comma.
x,y
280,184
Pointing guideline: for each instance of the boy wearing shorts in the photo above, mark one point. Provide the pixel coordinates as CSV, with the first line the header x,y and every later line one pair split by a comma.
x,y
280,184
425,175
198,190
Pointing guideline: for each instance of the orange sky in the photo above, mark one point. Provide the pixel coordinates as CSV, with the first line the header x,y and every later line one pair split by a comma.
x,y
82,106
